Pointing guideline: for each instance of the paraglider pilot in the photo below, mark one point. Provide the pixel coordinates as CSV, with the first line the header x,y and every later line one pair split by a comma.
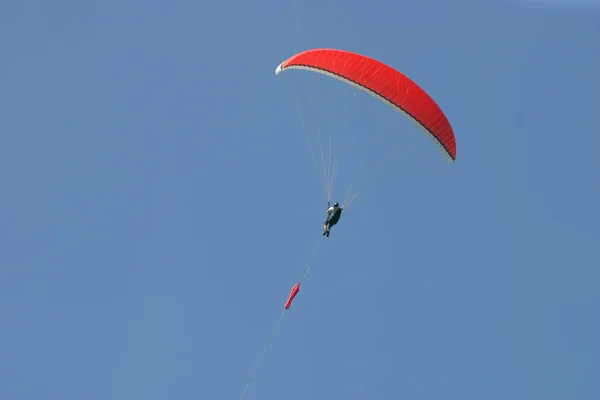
x,y
333,216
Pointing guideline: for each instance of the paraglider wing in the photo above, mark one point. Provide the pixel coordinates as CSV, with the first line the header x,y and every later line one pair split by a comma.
x,y
383,82
293,294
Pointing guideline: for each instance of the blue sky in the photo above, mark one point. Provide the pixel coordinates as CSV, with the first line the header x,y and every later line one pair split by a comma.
x,y
159,201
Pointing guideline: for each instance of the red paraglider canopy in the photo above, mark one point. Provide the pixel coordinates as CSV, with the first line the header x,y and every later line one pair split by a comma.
x,y
383,82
